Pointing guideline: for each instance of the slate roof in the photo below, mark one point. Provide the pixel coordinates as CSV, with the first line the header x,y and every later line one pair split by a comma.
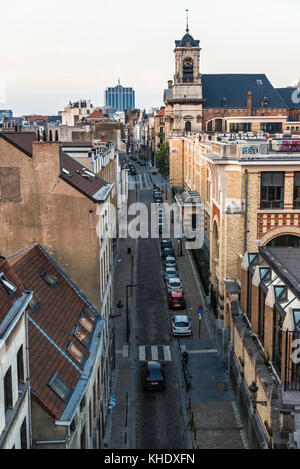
x,y
21,140
187,37
235,87
51,327
286,94
93,187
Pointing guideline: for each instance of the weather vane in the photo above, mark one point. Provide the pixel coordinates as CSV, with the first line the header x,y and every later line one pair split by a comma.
x,y
187,20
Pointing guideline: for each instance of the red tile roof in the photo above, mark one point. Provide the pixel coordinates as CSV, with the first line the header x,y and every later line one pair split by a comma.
x,y
96,115
161,113
34,118
51,326
7,301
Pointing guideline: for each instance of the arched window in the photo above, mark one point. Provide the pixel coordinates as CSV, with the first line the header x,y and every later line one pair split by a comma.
x,y
285,241
188,126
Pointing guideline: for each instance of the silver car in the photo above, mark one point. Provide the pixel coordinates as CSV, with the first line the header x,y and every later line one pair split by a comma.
x,y
174,283
181,325
170,272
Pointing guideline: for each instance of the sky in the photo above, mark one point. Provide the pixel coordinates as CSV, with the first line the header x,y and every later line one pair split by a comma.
x,y
54,52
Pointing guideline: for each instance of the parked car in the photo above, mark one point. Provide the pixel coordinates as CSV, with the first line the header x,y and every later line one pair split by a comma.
x,y
160,227
133,172
154,376
169,261
168,252
174,283
158,200
181,325
154,171
166,243
176,300
170,272
156,193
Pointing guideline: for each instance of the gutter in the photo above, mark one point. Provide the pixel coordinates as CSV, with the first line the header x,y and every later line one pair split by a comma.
x,y
246,210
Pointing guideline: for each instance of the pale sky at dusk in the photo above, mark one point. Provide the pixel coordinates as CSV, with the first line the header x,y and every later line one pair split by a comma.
x,y
53,52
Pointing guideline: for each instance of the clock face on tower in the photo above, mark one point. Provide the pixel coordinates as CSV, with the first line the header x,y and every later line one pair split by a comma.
x,y
187,62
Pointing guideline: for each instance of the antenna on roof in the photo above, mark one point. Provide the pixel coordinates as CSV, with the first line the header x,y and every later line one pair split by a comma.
x,y
187,20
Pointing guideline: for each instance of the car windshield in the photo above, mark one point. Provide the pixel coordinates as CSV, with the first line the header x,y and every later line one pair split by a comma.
x,y
181,324
175,283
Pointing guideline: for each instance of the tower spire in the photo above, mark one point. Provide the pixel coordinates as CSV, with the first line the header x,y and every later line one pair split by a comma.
x,y
187,21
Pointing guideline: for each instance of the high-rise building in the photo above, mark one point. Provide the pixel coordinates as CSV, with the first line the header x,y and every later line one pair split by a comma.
x,y
120,98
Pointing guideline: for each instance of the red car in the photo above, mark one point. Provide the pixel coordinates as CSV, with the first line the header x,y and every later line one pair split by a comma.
x,y
176,300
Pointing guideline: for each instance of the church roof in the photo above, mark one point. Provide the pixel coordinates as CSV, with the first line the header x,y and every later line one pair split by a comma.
x,y
234,88
187,37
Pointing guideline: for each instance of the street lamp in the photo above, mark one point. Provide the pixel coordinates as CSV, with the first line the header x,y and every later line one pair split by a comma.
x,y
253,392
127,307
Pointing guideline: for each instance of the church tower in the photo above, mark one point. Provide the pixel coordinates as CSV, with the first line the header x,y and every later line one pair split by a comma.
x,y
183,98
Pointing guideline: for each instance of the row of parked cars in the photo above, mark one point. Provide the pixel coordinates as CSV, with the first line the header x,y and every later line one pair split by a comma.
x,y
132,169
180,323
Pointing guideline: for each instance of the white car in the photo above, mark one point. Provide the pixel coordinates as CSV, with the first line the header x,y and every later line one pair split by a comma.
x,y
181,325
170,261
174,283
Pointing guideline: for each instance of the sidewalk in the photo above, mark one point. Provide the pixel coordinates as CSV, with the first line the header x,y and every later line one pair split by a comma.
x,y
120,420
212,414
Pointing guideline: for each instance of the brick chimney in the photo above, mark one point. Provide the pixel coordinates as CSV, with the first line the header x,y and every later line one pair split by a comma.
x,y
249,103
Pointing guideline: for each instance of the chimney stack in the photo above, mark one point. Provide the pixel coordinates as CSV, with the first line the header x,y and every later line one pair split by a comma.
x,y
170,83
249,103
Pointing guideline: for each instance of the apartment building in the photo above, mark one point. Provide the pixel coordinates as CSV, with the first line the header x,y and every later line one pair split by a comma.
x,y
15,408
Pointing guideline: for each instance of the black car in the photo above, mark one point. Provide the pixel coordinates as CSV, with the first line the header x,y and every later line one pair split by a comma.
x,y
166,243
133,172
154,376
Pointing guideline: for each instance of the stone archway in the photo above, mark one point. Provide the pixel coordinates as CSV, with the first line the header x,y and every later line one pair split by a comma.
x,y
286,240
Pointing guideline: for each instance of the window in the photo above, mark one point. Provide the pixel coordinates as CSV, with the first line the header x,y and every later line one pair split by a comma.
x,y
34,304
296,313
81,336
75,352
297,189
86,323
265,274
60,387
249,295
8,399
50,279
271,127
23,435
272,184
281,293
89,312
20,365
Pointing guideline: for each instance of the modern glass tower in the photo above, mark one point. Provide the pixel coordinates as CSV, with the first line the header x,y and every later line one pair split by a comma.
x,y
120,98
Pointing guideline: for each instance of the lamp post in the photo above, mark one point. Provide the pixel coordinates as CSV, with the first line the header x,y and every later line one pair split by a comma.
x,y
253,392
127,307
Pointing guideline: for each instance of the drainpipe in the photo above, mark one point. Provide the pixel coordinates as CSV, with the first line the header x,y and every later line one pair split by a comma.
x,y
246,210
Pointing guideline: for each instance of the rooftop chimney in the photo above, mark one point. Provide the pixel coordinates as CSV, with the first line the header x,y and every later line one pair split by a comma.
x,y
170,83
249,103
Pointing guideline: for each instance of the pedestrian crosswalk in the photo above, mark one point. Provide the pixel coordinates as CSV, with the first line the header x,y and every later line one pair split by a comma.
x,y
144,181
155,353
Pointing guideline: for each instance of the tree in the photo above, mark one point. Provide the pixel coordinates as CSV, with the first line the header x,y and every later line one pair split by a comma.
x,y
162,158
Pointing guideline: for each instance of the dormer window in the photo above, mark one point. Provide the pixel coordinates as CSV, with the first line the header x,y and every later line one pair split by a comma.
x,y
281,293
89,312
265,274
224,102
296,314
9,286
81,336
34,304
75,352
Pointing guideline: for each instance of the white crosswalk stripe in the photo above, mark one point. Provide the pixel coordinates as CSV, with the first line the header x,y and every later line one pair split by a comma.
x,y
144,181
155,352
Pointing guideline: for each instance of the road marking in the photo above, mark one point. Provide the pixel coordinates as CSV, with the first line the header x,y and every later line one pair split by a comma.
x,y
142,353
167,353
154,352
209,350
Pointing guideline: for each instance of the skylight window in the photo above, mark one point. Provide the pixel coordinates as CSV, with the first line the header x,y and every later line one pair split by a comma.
x,y
86,323
50,279
89,312
75,352
296,313
89,173
9,286
67,172
265,274
81,336
259,82
60,387
281,293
